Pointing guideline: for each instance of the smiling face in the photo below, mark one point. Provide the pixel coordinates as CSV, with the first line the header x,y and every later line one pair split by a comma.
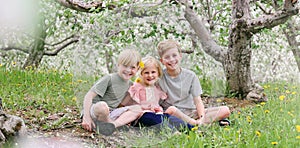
x,y
171,59
150,74
127,72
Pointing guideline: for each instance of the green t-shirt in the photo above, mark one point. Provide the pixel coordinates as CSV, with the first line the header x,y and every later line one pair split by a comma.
x,y
111,89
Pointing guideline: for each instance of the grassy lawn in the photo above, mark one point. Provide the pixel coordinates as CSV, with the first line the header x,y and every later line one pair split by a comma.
x,y
49,99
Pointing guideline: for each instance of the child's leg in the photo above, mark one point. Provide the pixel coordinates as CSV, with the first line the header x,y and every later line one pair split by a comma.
x,y
172,110
178,123
128,116
101,111
216,113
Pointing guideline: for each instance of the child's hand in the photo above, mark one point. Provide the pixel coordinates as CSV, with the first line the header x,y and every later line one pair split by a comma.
x,y
87,123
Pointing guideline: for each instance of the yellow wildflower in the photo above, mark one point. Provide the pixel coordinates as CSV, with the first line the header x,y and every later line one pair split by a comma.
x,y
287,91
79,81
226,129
298,137
141,64
138,80
262,103
274,143
267,111
282,97
74,99
249,119
257,133
298,128
219,100
293,93
195,128
291,114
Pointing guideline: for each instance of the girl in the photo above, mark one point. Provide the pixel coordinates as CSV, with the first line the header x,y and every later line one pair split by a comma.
x,y
146,92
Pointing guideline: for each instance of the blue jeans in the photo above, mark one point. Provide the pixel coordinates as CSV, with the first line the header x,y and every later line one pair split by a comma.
x,y
159,120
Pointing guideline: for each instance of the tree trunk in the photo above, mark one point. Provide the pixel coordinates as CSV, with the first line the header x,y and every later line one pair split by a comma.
x,y
36,53
237,62
290,33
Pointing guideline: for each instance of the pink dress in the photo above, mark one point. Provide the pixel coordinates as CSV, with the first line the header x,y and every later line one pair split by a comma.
x,y
147,96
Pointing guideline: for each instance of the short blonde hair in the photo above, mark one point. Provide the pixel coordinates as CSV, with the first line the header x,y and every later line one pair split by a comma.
x,y
147,61
166,45
129,57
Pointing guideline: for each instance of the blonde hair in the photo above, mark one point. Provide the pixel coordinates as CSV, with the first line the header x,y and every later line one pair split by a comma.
x,y
129,57
147,61
166,45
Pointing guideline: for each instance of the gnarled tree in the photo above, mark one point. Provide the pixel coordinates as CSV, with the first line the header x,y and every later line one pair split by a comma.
x,y
236,57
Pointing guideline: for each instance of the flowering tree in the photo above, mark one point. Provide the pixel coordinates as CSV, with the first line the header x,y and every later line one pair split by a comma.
x,y
39,37
236,56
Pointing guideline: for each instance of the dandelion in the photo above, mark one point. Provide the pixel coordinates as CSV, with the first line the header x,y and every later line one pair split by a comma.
x,y
257,133
141,64
63,90
274,143
79,81
293,93
262,103
267,111
74,99
282,97
298,128
291,114
249,119
195,128
298,137
266,86
276,88
138,80
226,129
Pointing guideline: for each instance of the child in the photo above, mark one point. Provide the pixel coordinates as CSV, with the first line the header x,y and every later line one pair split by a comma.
x,y
147,93
101,102
183,87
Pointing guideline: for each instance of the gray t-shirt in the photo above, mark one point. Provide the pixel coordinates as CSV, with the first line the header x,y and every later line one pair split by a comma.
x,y
180,90
111,89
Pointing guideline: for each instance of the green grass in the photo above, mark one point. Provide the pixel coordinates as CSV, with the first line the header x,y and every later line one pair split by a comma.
x,y
36,95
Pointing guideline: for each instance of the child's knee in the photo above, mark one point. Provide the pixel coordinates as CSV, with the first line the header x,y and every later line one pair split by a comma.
x,y
225,110
101,107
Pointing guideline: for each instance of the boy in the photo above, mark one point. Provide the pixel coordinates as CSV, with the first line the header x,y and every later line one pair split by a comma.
x,y
101,102
183,87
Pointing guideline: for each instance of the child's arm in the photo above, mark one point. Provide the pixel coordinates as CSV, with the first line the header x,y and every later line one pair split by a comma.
x,y
199,107
87,121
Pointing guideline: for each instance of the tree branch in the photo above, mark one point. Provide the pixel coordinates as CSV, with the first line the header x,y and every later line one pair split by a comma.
x,y
209,45
270,21
14,48
72,36
57,50
84,6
